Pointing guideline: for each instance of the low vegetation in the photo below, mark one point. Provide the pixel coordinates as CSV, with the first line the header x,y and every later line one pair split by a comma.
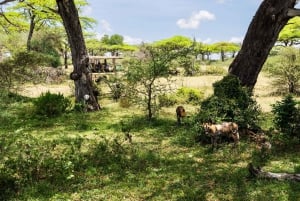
x,y
88,156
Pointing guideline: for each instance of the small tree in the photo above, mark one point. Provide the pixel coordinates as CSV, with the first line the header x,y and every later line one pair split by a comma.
x,y
145,71
286,70
287,116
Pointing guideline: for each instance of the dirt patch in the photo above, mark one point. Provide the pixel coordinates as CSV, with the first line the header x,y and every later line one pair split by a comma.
x,y
262,89
36,90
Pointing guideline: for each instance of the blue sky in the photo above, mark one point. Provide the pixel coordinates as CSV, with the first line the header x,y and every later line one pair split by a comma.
x,y
139,21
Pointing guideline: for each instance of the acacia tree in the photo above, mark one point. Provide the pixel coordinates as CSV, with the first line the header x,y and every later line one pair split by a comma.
x,y
290,34
224,47
263,31
83,82
286,70
153,63
84,91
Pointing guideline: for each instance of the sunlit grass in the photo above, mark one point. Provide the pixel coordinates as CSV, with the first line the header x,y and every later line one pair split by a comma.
x,y
85,156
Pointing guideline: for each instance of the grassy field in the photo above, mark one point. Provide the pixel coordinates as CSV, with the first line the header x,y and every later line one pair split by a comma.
x,y
87,157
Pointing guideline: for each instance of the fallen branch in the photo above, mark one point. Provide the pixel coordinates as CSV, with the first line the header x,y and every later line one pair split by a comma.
x,y
259,173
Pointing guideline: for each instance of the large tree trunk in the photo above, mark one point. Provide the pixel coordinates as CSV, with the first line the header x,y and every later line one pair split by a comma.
x,y
84,91
261,36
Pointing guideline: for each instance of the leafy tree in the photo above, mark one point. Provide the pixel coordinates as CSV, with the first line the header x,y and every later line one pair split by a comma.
x,y
153,63
114,39
84,90
290,34
49,44
286,70
263,31
224,47
83,83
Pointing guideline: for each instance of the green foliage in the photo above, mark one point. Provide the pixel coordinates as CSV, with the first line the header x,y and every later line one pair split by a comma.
x,y
144,73
167,100
19,69
287,116
191,95
290,34
50,105
285,69
48,45
114,39
181,96
230,102
52,160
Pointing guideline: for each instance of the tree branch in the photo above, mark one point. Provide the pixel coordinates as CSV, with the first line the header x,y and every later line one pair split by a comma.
x,y
259,173
293,12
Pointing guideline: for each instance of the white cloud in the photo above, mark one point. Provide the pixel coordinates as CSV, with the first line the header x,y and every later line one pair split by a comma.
x,y
236,40
194,21
132,41
105,26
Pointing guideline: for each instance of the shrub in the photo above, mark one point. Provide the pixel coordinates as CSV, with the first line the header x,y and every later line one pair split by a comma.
x,y
287,116
230,102
190,95
51,104
167,100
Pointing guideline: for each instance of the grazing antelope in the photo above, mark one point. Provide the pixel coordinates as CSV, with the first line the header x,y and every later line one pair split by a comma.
x,y
180,113
228,129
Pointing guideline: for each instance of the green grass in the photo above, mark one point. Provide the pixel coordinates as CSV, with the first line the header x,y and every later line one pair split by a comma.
x,y
84,156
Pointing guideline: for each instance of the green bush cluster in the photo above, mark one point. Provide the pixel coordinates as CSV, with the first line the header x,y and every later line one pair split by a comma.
x,y
25,160
49,105
182,95
287,116
230,102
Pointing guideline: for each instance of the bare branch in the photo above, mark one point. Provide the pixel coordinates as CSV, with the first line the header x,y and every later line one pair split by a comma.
x,y
257,172
3,15
292,12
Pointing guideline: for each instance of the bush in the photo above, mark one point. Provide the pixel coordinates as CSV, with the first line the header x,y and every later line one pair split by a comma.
x,y
190,95
287,116
182,95
167,100
51,104
230,102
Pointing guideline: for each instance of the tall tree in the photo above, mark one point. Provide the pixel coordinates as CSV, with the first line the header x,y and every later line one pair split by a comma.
x,y
84,90
263,31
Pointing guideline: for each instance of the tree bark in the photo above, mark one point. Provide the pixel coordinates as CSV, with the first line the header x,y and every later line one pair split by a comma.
x,y
257,172
31,29
263,31
84,91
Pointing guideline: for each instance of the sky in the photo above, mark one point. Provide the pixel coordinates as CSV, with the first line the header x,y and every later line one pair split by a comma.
x,y
207,21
